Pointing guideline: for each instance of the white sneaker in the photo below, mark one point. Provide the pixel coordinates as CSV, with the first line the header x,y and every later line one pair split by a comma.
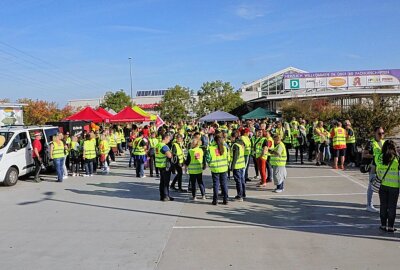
x,y
90,175
372,209
278,190
194,199
144,176
203,197
65,177
85,175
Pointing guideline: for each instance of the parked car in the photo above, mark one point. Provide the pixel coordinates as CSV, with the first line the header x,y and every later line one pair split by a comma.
x,y
16,152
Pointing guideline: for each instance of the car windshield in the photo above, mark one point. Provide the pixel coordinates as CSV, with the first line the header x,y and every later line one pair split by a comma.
x,y
7,137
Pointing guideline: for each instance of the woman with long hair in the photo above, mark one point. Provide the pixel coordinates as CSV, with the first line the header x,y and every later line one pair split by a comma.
x,y
387,170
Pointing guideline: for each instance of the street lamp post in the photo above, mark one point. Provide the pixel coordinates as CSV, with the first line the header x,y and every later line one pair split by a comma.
x,y
130,73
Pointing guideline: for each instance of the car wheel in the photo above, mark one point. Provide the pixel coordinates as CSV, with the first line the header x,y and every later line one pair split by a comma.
x,y
11,177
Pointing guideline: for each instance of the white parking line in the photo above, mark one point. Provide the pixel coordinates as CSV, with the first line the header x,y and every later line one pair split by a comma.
x,y
308,195
263,226
314,176
350,178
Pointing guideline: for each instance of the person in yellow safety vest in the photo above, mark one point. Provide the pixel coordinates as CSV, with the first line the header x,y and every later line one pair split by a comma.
x,y
95,137
153,141
139,152
254,139
279,130
338,135
262,147
350,144
294,124
247,152
119,140
320,138
287,138
178,153
373,150
387,169
278,162
194,164
89,154
57,154
218,161
104,148
67,143
122,136
163,154
238,165
112,141
75,152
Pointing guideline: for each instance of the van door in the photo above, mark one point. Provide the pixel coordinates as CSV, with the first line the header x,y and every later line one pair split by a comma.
x,y
20,151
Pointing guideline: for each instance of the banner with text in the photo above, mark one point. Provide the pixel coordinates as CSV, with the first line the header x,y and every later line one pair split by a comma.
x,y
342,79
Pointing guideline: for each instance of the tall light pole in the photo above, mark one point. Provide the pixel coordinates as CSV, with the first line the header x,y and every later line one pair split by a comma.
x,y
130,73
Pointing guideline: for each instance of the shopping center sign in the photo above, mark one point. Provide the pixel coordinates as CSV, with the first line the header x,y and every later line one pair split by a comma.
x,y
342,79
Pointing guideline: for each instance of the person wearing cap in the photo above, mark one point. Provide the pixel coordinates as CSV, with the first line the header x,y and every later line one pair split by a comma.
x,y
37,149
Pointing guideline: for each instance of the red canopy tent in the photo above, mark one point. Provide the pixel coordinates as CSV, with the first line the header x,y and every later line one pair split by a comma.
x,y
88,114
104,112
128,115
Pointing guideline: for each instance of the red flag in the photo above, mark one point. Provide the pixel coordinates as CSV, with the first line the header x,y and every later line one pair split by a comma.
x,y
159,122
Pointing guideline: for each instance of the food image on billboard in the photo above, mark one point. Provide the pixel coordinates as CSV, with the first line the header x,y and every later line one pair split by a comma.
x,y
337,82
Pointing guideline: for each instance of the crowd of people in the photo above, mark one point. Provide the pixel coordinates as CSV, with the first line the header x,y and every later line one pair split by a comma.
x,y
228,149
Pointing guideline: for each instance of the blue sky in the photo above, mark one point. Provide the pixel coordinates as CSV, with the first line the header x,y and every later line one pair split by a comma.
x,y
60,50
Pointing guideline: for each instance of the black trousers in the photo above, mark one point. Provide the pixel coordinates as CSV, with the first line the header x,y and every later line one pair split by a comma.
x,y
351,152
152,165
255,165
112,155
178,176
300,149
311,149
38,166
388,197
164,183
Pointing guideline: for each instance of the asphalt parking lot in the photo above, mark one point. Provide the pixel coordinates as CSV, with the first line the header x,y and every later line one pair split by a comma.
x,y
117,222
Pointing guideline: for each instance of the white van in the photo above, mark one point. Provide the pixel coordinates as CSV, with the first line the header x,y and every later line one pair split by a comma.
x,y
16,152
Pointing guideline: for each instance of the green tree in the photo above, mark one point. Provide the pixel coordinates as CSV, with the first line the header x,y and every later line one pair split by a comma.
x,y
5,100
376,111
215,96
176,104
116,101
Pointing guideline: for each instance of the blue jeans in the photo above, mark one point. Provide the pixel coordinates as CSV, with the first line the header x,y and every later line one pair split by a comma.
x,y
370,192
89,166
269,170
59,164
240,182
139,162
246,170
220,178
199,179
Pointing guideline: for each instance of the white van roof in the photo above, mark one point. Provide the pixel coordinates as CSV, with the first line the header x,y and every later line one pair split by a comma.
x,y
22,127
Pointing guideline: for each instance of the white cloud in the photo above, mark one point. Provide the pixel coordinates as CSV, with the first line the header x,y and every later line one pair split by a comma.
x,y
249,12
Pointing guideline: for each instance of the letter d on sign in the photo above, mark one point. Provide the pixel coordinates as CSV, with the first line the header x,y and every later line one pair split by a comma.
x,y
295,84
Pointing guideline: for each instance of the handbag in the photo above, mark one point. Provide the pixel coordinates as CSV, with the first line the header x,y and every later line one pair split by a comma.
x,y
376,181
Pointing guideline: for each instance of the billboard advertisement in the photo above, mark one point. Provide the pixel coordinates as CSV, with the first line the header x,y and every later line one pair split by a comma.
x,y
342,79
